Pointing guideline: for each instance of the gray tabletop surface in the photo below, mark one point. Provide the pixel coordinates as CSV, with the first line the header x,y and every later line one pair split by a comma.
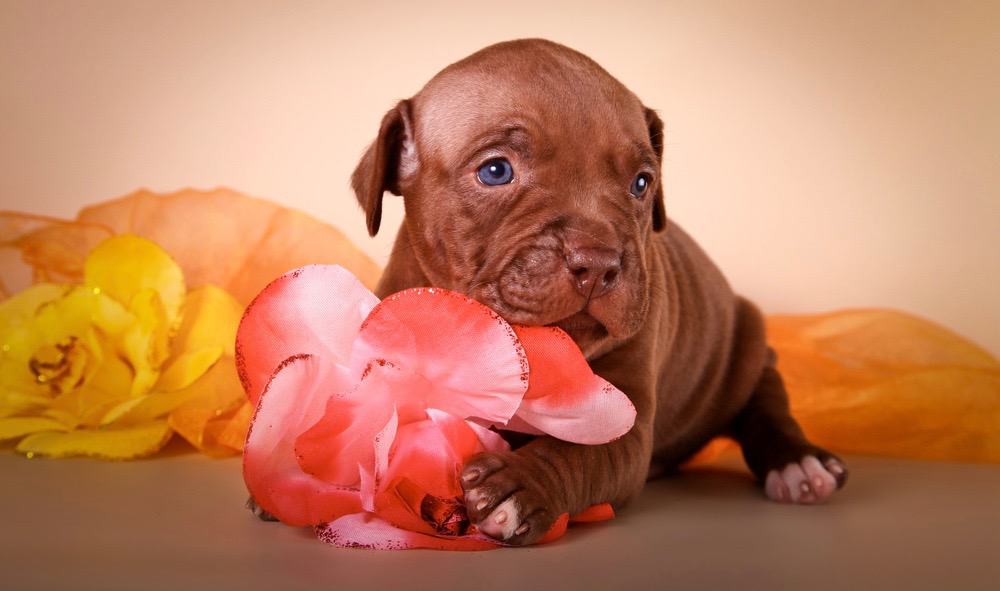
x,y
178,522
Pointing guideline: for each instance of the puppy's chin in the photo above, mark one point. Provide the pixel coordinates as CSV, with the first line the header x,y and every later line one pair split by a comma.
x,y
586,331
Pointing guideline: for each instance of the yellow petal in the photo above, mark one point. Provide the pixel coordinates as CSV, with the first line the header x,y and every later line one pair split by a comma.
x,y
53,350
70,420
56,350
110,315
88,404
68,316
15,427
123,266
24,304
187,368
113,374
17,347
117,411
61,365
210,319
216,392
219,392
155,405
111,444
98,352
234,433
145,342
13,402
16,376
18,385
215,430
106,386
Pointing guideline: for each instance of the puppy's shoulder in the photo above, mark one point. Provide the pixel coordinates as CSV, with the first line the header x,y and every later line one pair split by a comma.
x,y
689,268
715,329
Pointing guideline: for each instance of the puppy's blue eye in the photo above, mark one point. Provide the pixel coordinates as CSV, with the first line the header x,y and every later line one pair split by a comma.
x,y
640,184
496,172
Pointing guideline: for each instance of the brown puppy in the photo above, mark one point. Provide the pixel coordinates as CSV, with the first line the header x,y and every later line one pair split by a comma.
x,y
532,183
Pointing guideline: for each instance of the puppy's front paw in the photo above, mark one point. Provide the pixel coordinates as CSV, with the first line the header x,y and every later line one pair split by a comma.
x,y
505,500
808,481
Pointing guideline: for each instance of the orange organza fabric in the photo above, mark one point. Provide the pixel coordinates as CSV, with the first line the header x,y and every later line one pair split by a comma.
x,y
217,237
884,382
220,236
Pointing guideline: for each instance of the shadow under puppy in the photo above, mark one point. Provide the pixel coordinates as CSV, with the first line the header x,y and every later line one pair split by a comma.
x,y
531,180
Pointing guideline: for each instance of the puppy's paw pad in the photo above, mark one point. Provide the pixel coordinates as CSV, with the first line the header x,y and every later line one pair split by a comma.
x,y
806,482
503,500
502,522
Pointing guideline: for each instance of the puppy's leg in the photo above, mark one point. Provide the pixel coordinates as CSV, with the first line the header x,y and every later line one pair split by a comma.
x,y
791,468
517,496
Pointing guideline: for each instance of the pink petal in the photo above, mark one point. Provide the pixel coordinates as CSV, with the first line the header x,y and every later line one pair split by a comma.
x,y
427,460
594,513
557,530
343,439
372,479
293,400
565,398
316,309
470,357
363,530
431,453
490,440
463,440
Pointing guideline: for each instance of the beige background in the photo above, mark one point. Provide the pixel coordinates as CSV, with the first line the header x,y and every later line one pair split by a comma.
x,y
826,154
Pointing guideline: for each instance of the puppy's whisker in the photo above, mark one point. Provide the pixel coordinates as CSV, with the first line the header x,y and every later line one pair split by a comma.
x,y
476,285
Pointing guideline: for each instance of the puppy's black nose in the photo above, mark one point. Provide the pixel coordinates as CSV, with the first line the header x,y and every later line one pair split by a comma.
x,y
595,271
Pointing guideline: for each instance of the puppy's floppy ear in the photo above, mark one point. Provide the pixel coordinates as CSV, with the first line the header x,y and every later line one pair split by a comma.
x,y
655,126
389,157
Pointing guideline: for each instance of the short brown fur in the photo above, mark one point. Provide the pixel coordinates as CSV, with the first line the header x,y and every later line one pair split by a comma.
x,y
671,334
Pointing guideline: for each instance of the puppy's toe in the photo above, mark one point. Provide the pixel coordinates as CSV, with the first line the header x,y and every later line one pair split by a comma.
x,y
504,500
775,487
805,482
835,466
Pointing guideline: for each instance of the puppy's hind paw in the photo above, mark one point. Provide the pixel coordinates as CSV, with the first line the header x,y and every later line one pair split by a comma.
x,y
806,482
259,511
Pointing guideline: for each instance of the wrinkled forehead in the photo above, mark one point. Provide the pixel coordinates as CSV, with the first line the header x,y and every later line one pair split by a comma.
x,y
547,101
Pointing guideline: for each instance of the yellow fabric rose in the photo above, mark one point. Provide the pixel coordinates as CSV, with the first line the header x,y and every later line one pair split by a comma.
x,y
103,368
218,237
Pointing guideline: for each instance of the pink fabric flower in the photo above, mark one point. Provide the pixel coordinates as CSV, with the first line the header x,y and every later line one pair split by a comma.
x,y
366,411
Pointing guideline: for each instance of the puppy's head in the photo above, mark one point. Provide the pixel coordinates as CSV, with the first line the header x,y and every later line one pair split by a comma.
x,y
532,183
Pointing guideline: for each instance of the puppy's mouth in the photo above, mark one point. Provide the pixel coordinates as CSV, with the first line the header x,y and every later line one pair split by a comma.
x,y
582,327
